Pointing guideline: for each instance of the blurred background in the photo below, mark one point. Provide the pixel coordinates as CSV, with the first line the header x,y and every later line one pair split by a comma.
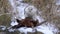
x,y
50,11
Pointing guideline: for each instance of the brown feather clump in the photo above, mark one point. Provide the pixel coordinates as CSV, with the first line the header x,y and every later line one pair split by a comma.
x,y
27,22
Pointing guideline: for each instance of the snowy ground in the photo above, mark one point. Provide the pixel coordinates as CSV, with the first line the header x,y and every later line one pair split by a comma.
x,y
46,29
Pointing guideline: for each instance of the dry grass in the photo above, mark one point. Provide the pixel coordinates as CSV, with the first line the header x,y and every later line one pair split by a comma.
x,y
5,20
5,8
47,7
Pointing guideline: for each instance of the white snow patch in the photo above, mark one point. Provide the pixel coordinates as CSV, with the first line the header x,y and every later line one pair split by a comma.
x,y
47,29
21,12
14,23
2,27
57,2
37,17
11,30
25,30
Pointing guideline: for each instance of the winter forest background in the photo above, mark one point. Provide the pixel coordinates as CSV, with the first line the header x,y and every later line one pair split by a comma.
x,y
50,11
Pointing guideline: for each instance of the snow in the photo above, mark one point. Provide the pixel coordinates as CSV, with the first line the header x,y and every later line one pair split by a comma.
x,y
14,23
40,19
46,29
11,1
11,30
13,4
21,12
57,2
2,27
25,30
